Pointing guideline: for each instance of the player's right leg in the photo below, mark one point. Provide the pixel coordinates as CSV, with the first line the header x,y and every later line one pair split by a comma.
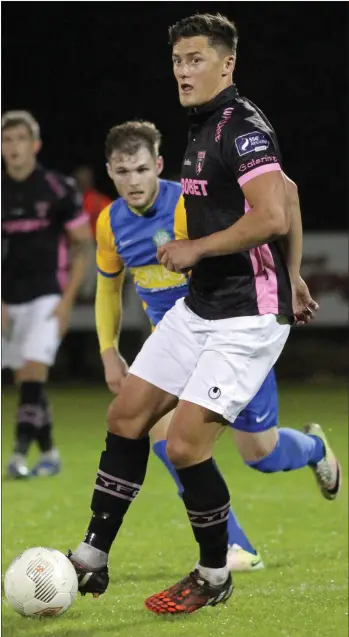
x,y
121,473
137,408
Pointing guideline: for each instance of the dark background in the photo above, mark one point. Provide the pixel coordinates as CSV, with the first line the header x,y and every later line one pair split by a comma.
x,y
82,67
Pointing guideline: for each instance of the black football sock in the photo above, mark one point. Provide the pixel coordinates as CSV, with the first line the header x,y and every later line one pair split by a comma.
x,y
29,415
44,434
207,501
121,473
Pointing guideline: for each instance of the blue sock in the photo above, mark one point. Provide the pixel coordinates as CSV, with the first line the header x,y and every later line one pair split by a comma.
x,y
159,449
235,532
293,450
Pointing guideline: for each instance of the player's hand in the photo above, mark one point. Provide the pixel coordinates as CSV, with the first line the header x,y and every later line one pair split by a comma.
x,y
115,369
5,320
304,306
62,313
4,316
179,256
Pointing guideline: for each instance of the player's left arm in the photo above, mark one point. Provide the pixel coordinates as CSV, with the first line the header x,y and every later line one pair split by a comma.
x,y
77,228
80,240
268,217
304,306
254,160
293,241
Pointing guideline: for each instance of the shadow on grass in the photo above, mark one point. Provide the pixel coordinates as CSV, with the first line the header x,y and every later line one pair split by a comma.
x,y
144,576
141,618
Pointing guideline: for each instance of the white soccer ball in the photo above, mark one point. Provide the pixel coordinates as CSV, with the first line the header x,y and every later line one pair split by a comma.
x,y
41,582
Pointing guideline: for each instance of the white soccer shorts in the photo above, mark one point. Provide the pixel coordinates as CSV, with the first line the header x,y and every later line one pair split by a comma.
x,y
217,364
33,334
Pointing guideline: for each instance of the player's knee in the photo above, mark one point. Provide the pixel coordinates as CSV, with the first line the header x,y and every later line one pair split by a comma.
x,y
119,422
179,453
32,371
125,422
182,452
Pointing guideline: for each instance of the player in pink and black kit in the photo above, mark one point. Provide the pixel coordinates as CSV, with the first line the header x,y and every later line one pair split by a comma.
x,y
41,216
213,350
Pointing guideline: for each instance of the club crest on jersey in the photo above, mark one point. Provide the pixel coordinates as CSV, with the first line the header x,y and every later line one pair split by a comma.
x,y
42,208
161,237
200,161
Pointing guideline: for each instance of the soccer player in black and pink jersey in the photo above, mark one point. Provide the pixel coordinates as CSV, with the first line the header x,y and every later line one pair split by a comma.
x,y
212,351
41,216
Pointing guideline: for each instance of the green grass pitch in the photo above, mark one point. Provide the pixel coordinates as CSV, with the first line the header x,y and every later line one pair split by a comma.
x,y
302,537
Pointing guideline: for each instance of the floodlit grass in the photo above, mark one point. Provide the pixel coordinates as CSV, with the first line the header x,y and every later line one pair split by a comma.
x,y
302,538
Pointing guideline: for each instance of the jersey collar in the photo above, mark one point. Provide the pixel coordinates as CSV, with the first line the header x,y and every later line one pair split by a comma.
x,y
222,98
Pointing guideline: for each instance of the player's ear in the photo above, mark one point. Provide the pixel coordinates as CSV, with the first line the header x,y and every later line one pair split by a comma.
x,y
37,146
159,165
229,65
109,170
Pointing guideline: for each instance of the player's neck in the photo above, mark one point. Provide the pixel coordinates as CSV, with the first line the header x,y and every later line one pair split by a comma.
x,y
22,172
222,86
142,211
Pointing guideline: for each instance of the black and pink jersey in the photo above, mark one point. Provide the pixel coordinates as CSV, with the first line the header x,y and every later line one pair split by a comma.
x,y
231,142
35,214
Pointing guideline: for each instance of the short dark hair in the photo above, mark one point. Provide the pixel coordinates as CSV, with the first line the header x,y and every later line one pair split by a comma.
x,y
130,136
10,119
217,28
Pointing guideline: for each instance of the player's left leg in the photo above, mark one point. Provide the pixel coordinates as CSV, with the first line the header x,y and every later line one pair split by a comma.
x,y
38,353
236,358
242,556
269,449
12,340
34,415
192,434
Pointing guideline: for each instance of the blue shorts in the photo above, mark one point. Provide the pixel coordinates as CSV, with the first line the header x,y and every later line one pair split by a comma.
x,y
262,412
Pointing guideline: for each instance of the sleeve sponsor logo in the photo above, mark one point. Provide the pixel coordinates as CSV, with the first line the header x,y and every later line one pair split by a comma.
x,y
260,161
252,142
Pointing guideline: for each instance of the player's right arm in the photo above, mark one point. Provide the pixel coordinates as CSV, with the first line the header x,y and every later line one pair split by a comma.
x,y
108,304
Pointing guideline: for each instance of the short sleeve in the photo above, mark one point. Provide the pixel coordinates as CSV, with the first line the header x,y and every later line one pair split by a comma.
x,y
180,220
70,207
109,263
251,149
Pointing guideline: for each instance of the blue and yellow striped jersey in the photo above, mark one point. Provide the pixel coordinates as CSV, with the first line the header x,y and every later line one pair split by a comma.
x,y
128,239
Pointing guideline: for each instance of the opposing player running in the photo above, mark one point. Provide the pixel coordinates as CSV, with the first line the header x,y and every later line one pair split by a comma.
x,y
41,216
211,352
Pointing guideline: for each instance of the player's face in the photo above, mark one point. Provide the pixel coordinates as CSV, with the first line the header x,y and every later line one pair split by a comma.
x,y
19,149
202,71
135,176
